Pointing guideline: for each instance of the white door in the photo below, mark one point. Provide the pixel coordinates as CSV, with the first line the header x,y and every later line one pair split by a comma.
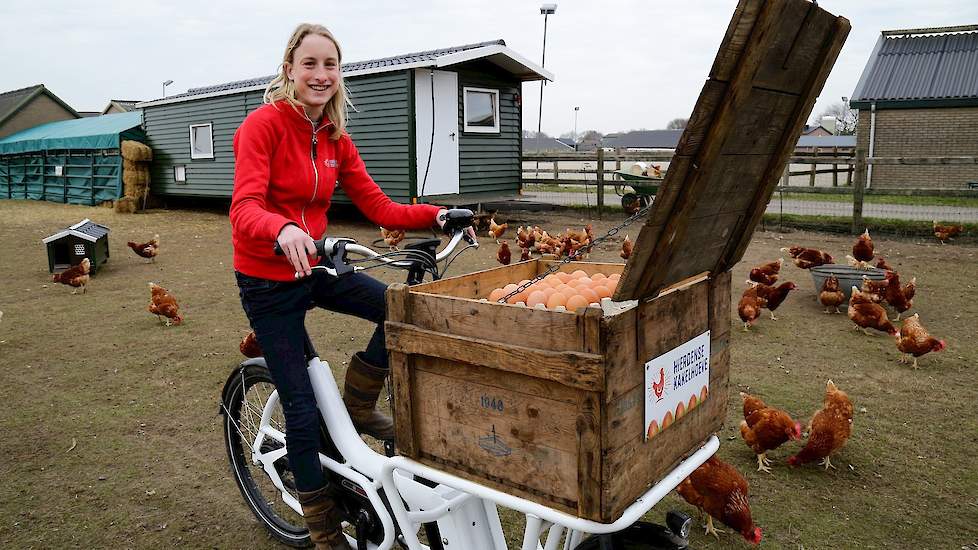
x,y
439,176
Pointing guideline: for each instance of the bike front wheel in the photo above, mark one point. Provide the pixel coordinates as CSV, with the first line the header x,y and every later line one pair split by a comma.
x,y
256,452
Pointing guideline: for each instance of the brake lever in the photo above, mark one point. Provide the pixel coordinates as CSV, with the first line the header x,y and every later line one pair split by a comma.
x,y
332,250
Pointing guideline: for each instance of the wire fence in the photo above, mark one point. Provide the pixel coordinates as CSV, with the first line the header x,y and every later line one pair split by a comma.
x,y
814,188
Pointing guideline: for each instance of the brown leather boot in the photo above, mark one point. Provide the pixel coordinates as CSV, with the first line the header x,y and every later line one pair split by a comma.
x,y
323,520
363,385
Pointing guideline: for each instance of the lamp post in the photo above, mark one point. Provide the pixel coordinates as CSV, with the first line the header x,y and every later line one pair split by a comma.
x,y
546,10
576,110
165,84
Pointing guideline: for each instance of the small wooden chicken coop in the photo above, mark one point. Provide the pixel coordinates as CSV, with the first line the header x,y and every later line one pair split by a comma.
x,y
560,407
85,239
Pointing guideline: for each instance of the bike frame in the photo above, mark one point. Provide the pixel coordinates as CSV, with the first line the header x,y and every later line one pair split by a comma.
x,y
466,512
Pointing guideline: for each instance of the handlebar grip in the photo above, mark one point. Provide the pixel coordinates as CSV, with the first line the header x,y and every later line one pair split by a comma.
x,y
320,248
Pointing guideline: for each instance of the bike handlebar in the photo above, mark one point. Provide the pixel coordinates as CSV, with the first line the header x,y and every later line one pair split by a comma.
x,y
335,249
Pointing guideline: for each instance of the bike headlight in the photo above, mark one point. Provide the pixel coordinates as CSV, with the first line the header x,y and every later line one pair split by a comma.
x,y
679,523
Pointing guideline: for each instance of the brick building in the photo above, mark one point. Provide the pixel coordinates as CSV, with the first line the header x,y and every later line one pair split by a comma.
x,y
918,97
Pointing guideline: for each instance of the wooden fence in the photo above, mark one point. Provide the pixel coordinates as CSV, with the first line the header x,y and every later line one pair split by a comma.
x,y
852,163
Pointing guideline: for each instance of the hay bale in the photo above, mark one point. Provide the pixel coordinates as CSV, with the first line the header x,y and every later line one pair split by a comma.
x,y
135,151
126,205
135,178
138,178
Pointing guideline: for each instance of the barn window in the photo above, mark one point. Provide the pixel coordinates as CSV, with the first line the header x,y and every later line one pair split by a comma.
x,y
481,110
201,141
180,174
79,250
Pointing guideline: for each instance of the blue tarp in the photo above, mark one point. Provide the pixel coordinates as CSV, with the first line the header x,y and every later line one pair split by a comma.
x,y
99,132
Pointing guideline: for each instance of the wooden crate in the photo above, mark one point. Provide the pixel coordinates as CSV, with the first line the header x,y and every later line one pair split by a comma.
x,y
548,405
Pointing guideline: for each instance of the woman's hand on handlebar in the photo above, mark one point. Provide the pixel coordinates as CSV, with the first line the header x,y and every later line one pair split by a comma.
x,y
442,217
297,246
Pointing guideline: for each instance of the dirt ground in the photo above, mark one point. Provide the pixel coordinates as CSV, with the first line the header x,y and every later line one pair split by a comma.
x,y
111,435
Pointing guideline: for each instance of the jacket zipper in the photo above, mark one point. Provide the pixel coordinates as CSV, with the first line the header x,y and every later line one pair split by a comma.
x,y
315,172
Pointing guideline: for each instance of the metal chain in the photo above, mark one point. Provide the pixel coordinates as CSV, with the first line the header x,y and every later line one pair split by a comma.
x,y
579,252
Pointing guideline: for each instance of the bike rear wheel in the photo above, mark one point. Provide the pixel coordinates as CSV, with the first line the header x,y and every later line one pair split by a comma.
x,y
244,400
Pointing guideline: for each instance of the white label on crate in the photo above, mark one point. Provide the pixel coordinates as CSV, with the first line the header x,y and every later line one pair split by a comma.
x,y
676,382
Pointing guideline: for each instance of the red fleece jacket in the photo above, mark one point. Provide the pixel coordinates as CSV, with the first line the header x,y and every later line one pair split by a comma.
x,y
285,172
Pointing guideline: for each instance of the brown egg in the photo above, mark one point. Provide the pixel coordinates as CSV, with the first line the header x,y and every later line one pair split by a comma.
x,y
598,276
576,301
536,297
548,292
580,273
563,276
602,291
590,295
556,299
496,294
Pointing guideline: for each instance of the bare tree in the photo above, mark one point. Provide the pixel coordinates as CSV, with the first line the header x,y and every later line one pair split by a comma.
x,y
677,124
846,118
591,136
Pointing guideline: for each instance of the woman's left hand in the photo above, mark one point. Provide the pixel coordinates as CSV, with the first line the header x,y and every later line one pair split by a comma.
x,y
442,217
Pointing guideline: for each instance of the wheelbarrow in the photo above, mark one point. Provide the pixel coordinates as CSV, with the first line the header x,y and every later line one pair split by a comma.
x,y
643,192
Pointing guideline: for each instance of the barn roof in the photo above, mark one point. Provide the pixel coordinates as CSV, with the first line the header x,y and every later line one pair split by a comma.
x,y
97,132
12,101
494,51
919,66
643,139
85,229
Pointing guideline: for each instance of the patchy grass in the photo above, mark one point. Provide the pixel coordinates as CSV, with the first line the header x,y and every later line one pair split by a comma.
x,y
112,437
883,226
915,200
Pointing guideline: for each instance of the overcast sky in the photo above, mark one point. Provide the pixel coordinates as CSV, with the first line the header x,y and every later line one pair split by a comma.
x,y
626,64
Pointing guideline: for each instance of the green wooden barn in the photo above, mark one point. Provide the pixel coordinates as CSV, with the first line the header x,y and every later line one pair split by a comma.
x,y
441,126
71,161
85,239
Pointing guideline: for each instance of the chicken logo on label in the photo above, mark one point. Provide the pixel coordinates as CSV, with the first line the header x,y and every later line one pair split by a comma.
x,y
659,387
330,163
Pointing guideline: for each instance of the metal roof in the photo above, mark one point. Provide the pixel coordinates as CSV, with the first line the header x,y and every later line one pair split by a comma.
x,y
920,67
643,139
544,144
85,229
495,50
97,132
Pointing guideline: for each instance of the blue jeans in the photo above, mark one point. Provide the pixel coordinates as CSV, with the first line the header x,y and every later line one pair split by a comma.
x,y
277,312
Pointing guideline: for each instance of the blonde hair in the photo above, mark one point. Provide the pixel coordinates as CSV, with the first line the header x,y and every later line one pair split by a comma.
x,y
281,88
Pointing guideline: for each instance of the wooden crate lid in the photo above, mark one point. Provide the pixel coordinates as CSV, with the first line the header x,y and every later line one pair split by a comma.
x,y
768,72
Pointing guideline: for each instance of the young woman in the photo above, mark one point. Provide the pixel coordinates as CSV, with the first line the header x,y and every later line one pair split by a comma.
x,y
289,155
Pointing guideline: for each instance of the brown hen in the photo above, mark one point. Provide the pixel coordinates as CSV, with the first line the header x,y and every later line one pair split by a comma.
x,y
828,430
718,489
807,258
76,275
147,249
865,313
765,428
831,296
164,305
913,340
249,346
